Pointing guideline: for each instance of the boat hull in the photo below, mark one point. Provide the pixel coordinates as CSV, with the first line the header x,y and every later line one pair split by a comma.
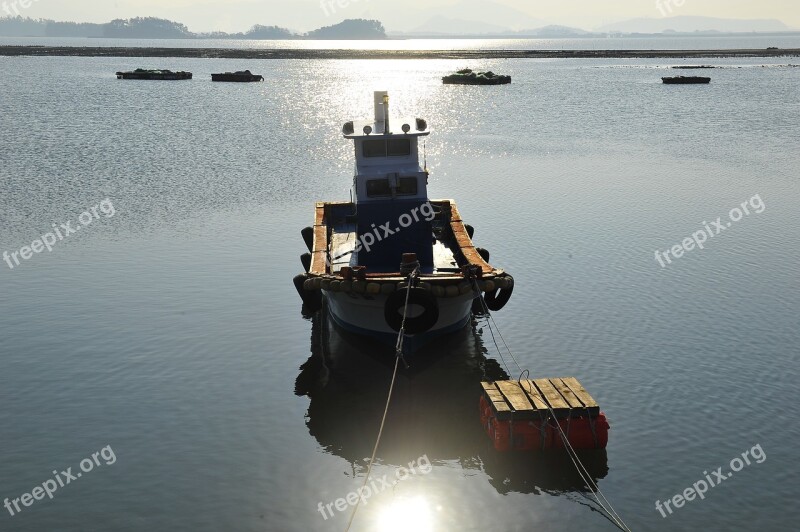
x,y
681,80
169,76
364,314
464,80
237,78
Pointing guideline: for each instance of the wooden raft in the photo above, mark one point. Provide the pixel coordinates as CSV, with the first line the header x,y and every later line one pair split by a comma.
x,y
565,396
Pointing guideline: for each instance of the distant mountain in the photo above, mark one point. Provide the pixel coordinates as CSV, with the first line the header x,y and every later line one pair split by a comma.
x,y
145,28
350,29
469,18
257,32
155,28
686,24
27,27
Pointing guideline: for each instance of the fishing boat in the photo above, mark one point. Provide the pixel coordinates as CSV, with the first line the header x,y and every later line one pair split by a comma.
x,y
686,80
241,76
469,77
141,73
391,257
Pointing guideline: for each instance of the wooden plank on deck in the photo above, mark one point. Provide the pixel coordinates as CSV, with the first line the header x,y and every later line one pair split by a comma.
x,y
515,396
454,214
320,238
474,258
566,393
580,392
534,394
319,263
496,398
551,395
319,214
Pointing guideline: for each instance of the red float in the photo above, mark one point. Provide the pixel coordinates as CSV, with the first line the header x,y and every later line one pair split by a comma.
x,y
583,431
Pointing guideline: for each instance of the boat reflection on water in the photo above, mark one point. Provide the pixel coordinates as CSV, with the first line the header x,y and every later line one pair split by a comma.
x,y
434,409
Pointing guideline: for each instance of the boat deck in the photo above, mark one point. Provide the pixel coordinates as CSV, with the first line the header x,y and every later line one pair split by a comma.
x,y
343,242
336,238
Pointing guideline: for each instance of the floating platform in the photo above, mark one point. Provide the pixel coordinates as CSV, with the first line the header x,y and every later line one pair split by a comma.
x,y
141,73
686,80
524,415
241,76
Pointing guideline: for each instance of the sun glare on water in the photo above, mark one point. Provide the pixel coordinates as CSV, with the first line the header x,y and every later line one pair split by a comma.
x,y
406,515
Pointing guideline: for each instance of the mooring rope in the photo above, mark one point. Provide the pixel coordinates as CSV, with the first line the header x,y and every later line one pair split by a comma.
x,y
398,357
576,461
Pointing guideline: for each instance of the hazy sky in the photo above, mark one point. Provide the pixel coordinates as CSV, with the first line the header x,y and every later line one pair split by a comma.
x,y
238,15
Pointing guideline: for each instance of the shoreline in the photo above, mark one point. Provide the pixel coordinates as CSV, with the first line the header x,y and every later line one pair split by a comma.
x,y
229,53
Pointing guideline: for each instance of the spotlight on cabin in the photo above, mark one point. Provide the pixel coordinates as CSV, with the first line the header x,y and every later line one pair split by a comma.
x,y
367,130
347,129
422,125
406,128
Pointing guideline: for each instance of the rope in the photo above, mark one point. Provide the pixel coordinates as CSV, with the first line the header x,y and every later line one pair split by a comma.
x,y
576,461
398,357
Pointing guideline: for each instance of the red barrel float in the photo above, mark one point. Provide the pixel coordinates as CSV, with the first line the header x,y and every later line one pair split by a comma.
x,y
534,430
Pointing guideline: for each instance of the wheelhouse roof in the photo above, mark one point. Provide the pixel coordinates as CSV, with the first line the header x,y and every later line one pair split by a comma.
x,y
378,129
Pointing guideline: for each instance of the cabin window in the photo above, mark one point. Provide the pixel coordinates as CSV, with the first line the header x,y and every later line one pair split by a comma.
x,y
374,148
387,148
378,187
407,186
399,147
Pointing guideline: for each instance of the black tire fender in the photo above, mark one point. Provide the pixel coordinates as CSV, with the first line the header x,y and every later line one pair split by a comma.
x,y
308,237
312,299
393,310
497,299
